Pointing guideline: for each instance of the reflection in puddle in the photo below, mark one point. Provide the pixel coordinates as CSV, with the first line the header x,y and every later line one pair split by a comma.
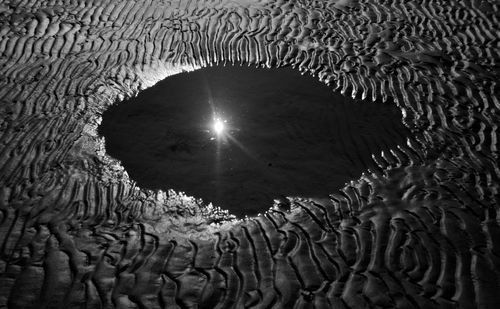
x,y
240,137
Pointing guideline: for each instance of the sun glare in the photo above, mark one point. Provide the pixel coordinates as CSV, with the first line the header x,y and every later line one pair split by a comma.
x,y
218,126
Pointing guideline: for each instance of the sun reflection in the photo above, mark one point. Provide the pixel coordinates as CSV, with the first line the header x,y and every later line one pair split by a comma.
x,y
223,134
219,126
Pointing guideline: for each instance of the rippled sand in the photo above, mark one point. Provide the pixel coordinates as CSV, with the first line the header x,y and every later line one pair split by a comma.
x,y
418,229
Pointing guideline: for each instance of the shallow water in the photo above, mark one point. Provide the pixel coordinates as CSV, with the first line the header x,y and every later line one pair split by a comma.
x,y
419,230
287,134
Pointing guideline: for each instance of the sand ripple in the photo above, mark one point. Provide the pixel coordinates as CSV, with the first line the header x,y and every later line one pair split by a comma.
x,y
419,230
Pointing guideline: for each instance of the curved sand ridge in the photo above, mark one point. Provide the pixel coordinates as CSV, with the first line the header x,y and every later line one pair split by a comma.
x,y
420,230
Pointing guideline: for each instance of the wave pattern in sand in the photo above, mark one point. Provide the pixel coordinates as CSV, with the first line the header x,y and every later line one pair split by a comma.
x,y
419,229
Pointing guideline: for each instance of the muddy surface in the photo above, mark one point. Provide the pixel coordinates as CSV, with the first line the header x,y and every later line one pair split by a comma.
x,y
413,224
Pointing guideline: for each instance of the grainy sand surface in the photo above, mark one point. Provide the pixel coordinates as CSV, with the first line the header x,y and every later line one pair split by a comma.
x,y
414,226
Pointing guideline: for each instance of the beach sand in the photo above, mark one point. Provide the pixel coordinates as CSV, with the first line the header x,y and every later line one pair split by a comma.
x,y
94,154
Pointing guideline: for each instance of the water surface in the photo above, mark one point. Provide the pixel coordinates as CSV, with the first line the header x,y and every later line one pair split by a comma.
x,y
286,134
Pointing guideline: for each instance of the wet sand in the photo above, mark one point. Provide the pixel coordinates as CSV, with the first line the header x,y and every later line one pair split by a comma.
x,y
419,229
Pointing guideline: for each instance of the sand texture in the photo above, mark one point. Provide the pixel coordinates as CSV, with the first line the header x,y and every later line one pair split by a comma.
x,y
416,225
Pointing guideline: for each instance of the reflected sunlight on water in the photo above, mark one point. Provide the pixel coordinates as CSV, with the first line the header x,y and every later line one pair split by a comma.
x,y
273,133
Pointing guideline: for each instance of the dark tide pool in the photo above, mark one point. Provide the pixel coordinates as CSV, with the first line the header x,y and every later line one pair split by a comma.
x,y
285,134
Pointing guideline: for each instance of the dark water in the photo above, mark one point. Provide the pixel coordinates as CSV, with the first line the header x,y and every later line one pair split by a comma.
x,y
286,134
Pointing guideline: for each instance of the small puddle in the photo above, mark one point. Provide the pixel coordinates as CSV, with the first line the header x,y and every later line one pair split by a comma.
x,y
240,137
